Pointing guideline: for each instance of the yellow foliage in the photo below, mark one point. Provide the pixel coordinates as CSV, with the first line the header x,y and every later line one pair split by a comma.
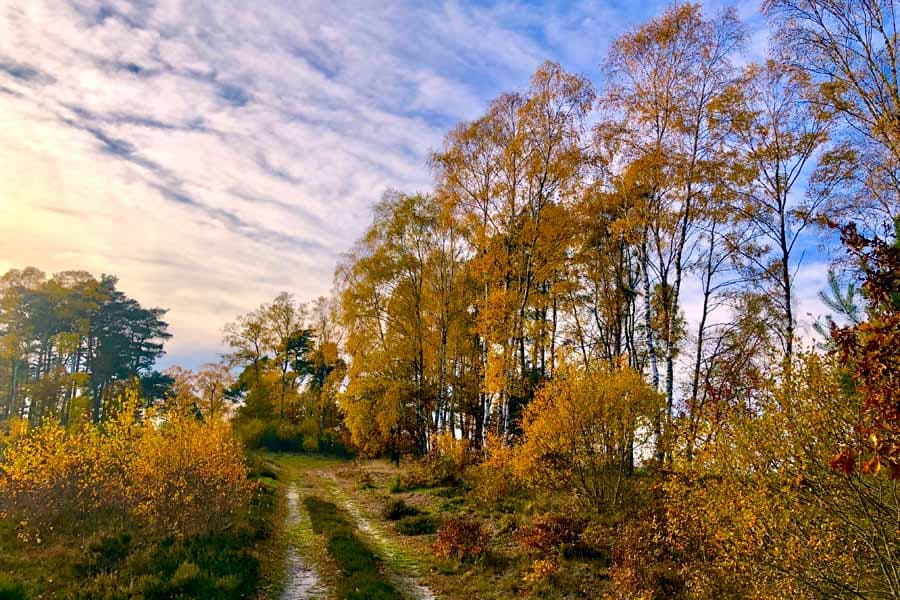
x,y
494,476
189,476
181,476
541,569
760,513
578,432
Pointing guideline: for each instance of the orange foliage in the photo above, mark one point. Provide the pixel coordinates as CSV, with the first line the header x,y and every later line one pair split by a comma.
x,y
552,533
461,537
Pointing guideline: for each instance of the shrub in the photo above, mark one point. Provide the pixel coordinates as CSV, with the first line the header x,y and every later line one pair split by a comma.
x,y
190,476
494,479
643,565
275,436
397,509
250,431
595,541
181,477
105,553
99,484
199,567
417,525
461,537
607,409
333,443
551,533
290,438
10,430
443,466
364,480
541,569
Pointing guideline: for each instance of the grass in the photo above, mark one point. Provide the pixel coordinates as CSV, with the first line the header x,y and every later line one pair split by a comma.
x,y
398,509
405,558
10,590
504,570
417,525
112,563
361,569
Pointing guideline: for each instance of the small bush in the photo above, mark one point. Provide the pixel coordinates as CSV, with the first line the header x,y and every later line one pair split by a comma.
x,y
494,479
595,541
460,537
397,509
250,431
551,533
541,569
643,564
418,525
105,554
273,436
261,468
262,509
364,481
332,444
444,465
289,437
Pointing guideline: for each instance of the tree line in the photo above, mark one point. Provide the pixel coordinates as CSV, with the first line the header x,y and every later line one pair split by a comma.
x,y
73,341
570,218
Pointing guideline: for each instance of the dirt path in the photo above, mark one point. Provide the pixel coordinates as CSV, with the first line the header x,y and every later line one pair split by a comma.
x,y
301,580
404,570
317,476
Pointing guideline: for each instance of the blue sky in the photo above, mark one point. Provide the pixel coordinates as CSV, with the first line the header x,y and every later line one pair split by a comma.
x,y
215,153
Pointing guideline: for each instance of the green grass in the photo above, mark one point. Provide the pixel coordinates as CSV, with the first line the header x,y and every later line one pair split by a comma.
x,y
361,569
417,525
398,509
10,590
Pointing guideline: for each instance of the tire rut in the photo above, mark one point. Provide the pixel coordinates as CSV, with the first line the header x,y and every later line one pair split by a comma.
x,y
302,581
404,571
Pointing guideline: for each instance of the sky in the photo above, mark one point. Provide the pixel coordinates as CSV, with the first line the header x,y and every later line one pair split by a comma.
x,y
213,154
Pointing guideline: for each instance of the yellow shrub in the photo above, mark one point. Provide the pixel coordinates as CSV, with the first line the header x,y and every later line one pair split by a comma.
x,y
189,477
578,432
541,569
494,477
181,477
444,464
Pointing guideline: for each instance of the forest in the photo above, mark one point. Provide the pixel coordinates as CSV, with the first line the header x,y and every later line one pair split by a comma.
x,y
573,368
